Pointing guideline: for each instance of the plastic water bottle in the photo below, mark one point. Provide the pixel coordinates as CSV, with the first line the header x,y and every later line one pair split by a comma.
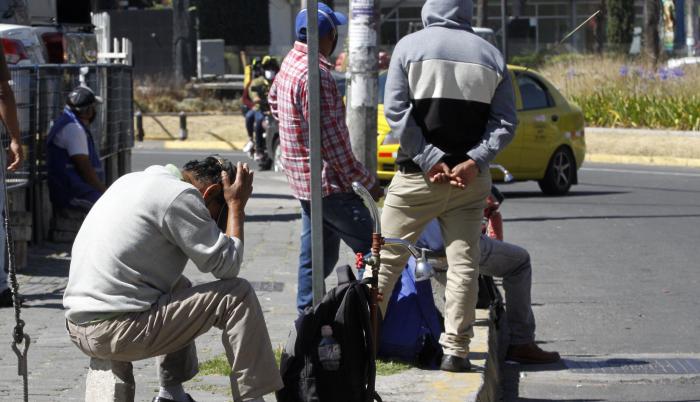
x,y
328,350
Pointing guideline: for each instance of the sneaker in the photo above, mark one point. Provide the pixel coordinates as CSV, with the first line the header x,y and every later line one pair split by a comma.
x,y
248,146
455,364
530,353
6,298
259,156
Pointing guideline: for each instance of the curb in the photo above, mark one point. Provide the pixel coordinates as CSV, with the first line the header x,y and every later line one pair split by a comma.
x,y
642,132
643,160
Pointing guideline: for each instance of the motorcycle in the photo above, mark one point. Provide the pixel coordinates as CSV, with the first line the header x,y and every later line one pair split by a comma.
x,y
272,154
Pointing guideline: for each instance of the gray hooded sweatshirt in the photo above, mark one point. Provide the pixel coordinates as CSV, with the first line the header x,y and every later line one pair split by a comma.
x,y
448,93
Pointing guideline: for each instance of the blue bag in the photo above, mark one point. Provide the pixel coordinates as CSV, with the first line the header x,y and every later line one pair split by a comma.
x,y
412,326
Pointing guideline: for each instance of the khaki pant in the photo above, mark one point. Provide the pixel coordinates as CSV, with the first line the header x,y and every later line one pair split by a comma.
x,y
169,328
413,201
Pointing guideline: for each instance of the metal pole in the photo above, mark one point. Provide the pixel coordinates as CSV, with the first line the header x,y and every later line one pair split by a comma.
x,y
362,90
183,126
504,30
690,27
139,126
315,151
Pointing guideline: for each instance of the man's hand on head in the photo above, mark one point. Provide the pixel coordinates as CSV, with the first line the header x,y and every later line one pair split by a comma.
x,y
464,174
439,173
237,193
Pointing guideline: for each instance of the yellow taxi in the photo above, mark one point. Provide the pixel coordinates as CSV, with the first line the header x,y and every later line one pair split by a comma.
x,y
548,147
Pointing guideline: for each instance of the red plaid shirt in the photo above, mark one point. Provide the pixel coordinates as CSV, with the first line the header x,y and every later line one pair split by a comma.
x,y
289,103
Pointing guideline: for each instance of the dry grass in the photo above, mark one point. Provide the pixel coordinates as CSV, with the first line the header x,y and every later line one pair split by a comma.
x,y
156,95
228,128
581,75
618,92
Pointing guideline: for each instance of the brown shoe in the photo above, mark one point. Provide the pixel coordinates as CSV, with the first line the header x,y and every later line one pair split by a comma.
x,y
530,353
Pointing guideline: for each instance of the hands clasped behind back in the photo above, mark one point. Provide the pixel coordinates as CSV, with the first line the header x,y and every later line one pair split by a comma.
x,y
460,176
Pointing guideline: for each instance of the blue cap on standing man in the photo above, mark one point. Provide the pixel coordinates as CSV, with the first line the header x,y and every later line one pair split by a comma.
x,y
328,20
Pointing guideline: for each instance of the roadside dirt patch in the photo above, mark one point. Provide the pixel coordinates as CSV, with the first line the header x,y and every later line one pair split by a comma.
x,y
231,129
228,128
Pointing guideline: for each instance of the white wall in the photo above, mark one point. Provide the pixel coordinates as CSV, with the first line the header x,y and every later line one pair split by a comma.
x,y
281,27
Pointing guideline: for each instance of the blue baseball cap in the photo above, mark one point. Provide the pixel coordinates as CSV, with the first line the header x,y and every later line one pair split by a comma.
x,y
328,20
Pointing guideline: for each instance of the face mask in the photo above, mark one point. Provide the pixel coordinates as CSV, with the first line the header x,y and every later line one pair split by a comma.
x,y
270,75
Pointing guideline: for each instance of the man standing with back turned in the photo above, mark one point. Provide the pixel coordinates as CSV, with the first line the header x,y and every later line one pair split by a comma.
x,y
344,215
449,99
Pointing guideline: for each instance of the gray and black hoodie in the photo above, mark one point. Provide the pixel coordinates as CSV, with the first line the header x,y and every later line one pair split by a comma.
x,y
448,92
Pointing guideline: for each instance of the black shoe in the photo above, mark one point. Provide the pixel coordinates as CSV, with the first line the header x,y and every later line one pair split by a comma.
x,y
161,399
455,364
6,298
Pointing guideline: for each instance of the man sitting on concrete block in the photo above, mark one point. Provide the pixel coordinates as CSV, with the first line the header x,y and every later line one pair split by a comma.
x,y
75,173
512,263
126,298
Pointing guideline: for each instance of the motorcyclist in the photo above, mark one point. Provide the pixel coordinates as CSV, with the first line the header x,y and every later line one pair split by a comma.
x,y
257,92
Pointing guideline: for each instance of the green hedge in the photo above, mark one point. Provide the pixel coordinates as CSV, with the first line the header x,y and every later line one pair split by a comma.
x,y
616,108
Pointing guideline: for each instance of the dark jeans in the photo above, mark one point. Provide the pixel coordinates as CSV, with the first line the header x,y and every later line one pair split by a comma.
x,y
254,124
344,217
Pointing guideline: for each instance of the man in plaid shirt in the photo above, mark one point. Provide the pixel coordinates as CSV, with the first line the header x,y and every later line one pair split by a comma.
x,y
344,215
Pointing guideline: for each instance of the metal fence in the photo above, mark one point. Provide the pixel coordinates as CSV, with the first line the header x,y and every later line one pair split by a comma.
x,y
40,92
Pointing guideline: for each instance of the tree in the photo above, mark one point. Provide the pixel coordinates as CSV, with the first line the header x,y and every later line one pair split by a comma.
x,y
620,23
239,23
600,25
652,45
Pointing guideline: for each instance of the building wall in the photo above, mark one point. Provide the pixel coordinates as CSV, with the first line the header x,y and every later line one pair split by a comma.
x,y
282,16
550,21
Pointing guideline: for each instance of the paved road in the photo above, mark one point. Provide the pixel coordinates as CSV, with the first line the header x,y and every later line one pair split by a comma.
x,y
615,276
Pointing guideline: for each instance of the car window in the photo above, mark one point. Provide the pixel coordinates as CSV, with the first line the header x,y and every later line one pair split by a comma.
x,y
534,95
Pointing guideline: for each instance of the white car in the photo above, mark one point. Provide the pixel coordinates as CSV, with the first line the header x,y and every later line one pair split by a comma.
x,y
47,32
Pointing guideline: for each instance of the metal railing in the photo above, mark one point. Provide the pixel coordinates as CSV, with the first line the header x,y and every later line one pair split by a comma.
x,y
40,92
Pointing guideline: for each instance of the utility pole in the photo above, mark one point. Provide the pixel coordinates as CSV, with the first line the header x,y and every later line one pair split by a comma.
x,y
362,93
690,27
182,46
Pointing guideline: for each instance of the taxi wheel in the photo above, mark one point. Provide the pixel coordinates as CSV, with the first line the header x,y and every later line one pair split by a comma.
x,y
560,173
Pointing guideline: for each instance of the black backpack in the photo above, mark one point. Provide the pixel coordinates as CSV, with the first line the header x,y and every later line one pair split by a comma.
x,y
346,309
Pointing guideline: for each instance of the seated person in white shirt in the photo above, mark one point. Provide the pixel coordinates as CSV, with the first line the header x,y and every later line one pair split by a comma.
x,y
127,299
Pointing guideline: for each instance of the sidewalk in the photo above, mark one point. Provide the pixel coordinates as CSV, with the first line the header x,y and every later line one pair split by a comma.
x,y
57,368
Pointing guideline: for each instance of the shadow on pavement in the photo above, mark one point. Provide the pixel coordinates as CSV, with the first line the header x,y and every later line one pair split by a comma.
x,y
273,218
267,196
